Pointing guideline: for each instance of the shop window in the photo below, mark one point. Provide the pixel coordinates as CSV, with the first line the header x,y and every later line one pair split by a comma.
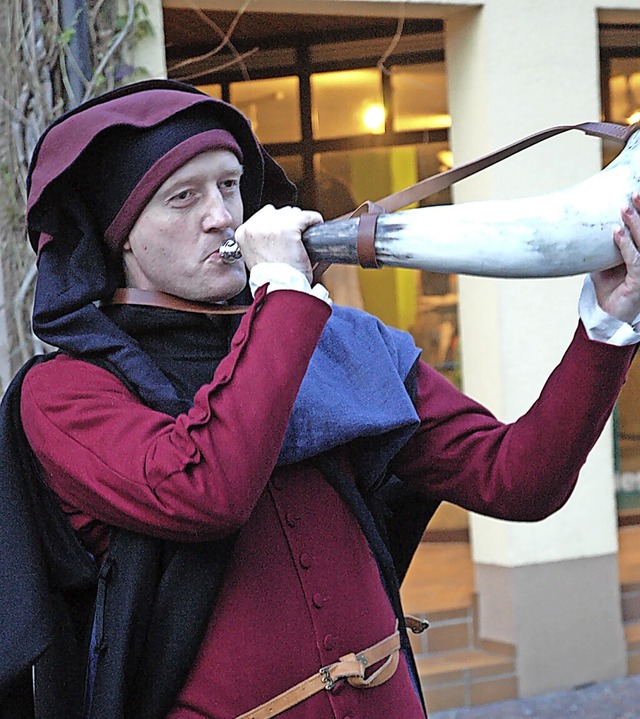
x,y
624,90
347,103
419,97
272,105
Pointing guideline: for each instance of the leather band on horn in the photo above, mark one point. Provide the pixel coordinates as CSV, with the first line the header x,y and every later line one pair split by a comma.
x,y
366,247
368,213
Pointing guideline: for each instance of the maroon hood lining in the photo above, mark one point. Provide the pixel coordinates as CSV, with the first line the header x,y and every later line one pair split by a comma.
x,y
68,138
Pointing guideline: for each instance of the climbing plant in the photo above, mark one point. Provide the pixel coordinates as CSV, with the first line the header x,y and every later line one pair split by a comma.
x,y
54,54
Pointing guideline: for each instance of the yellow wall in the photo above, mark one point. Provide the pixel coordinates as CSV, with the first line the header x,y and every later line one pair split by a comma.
x,y
390,293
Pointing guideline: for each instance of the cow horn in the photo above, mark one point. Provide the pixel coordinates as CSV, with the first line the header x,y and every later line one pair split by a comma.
x,y
553,235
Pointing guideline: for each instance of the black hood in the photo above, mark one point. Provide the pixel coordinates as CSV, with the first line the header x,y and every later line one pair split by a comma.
x,y
75,270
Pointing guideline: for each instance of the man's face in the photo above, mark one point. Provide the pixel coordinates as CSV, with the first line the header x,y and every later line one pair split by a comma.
x,y
173,247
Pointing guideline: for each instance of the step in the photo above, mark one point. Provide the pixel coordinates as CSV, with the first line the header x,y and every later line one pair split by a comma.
x,y
632,636
449,629
630,596
465,678
440,577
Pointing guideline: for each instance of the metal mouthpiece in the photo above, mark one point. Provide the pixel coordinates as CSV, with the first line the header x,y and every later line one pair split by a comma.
x,y
230,252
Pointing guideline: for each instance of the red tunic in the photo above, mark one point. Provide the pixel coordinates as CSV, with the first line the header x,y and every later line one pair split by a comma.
x,y
302,587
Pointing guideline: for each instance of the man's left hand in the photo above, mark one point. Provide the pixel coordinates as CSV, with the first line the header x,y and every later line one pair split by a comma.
x,y
618,289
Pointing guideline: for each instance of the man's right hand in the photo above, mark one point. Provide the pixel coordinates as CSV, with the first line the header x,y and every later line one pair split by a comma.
x,y
275,235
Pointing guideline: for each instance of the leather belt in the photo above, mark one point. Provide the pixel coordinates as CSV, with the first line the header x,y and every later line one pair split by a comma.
x,y
350,667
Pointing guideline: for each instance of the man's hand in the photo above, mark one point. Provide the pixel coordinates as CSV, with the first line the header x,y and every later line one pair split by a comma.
x,y
618,289
273,235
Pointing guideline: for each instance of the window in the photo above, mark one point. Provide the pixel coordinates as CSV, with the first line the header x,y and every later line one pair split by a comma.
x,y
347,103
419,95
272,105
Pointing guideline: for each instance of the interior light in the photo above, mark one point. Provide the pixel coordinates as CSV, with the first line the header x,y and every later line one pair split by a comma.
x,y
374,118
633,118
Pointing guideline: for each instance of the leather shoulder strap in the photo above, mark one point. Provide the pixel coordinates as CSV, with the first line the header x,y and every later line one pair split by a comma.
x,y
431,185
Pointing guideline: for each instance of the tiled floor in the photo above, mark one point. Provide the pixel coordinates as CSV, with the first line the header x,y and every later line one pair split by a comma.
x,y
439,578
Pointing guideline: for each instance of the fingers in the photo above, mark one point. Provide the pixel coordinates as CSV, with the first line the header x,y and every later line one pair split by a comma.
x,y
631,218
275,235
271,220
627,237
295,216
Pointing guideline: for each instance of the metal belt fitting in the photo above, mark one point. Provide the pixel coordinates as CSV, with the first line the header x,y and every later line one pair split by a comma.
x,y
328,682
344,669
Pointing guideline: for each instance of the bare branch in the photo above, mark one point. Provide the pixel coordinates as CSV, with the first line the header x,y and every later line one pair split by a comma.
x,y
225,41
33,64
392,45
112,50
217,68
96,11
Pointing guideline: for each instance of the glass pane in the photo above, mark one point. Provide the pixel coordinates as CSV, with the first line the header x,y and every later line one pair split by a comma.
x,y
424,303
419,97
348,103
272,105
292,165
213,90
373,173
624,90
436,326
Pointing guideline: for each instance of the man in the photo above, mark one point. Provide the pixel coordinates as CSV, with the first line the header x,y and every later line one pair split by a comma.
x,y
247,495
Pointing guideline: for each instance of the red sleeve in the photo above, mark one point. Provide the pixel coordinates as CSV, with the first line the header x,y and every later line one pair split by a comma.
x,y
522,471
195,477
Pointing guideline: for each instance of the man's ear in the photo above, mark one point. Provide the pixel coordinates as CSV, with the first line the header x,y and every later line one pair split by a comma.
x,y
126,247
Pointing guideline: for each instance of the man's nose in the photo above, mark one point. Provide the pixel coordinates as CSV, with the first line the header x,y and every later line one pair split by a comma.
x,y
216,215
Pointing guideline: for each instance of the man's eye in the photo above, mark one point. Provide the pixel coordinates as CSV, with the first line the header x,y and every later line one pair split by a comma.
x,y
181,198
230,184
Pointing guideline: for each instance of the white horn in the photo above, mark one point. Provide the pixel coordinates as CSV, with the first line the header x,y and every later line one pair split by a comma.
x,y
561,233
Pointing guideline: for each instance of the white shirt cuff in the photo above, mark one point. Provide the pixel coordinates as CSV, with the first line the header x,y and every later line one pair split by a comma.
x,y
281,276
601,326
